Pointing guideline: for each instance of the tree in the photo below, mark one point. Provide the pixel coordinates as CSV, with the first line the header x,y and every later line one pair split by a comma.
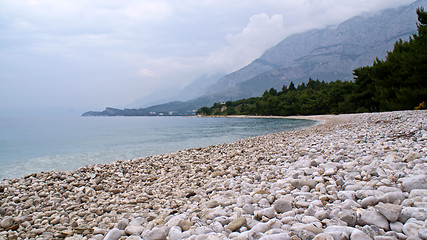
x,y
399,82
291,86
364,94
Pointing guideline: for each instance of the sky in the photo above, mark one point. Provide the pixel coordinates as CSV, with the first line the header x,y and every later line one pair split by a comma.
x,y
89,54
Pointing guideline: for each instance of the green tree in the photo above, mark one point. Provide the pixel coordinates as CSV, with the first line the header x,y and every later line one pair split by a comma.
x,y
364,94
399,81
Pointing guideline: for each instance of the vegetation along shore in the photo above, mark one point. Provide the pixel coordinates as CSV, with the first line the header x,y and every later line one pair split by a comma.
x,y
396,83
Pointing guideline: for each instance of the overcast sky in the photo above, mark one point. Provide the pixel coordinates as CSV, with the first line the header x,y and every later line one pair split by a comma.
x,y
96,53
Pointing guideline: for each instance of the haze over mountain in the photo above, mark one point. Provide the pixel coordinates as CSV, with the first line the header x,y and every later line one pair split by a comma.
x,y
326,54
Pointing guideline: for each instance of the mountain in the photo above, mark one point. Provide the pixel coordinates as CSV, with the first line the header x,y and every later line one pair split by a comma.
x,y
188,92
325,54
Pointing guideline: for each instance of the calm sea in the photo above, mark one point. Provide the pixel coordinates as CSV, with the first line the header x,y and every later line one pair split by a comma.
x,y
36,144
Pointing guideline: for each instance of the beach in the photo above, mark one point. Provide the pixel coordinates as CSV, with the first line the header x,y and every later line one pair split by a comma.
x,y
353,176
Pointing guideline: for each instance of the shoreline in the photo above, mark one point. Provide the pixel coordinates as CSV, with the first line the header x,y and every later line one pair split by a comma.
x,y
342,176
75,156
319,118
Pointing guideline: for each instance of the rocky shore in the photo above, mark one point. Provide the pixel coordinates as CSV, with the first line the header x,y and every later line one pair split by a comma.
x,y
358,176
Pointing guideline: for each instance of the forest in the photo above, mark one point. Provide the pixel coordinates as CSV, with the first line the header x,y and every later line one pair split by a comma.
x,y
399,82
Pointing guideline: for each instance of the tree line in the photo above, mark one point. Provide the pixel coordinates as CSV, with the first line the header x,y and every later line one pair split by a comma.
x,y
399,82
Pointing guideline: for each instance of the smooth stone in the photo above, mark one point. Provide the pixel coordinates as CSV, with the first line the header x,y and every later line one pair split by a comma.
x,y
175,233
354,187
134,238
174,221
212,203
330,171
322,214
372,230
242,200
277,236
369,201
312,228
114,234
216,212
412,212
260,227
223,220
370,217
348,216
94,237
385,238
249,209
263,203
122,224
359,235
236,224
209,236
267,212
2,211
134,230
422,233
287,220
100,231
411,229
339,235
361,194
344,195
282,205
414,182
139,221
185,225
200,231
323,236
340,229
297,183
216,227
309,219
390,211
386,189
392,197
6,222
156,234
396,226
418,193
350,204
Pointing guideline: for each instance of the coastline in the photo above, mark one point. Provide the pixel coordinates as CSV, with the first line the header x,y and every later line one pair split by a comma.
x,y
319,118
329,178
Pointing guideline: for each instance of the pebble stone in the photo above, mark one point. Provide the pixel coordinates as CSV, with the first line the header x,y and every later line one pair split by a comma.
x,y
355,176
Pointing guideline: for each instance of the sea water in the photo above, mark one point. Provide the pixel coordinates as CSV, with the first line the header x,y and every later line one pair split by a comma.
x,y
35,144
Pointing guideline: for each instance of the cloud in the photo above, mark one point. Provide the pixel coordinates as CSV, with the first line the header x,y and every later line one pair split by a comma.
x,y
147,73
260,33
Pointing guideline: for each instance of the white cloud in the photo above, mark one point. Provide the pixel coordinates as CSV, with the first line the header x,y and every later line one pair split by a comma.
x,y
261,33
147,73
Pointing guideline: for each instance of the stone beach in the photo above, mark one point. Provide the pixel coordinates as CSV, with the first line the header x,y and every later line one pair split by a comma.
x,y
355,176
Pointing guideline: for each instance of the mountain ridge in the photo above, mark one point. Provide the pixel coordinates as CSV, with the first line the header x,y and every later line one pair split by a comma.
x,y
327,54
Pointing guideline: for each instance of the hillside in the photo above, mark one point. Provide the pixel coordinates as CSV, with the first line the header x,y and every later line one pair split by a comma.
x,y
326,54
396,83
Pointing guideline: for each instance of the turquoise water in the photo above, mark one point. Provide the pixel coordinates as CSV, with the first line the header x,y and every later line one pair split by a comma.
x,y
36,144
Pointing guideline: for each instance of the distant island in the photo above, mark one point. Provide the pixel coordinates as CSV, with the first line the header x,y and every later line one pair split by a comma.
x,y
134,112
